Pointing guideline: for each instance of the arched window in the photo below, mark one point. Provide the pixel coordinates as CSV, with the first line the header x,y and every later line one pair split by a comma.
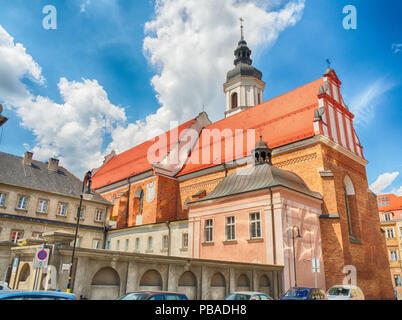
x,y
234,100
351,208
139,195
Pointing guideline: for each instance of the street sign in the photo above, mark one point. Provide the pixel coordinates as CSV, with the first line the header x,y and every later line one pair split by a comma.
x,y
315,265
41,258
15,265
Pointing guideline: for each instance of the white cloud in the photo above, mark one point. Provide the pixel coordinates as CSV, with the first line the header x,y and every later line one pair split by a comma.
x,y
363,105
84,5
191,43
74,130
383,182
396,48
15,64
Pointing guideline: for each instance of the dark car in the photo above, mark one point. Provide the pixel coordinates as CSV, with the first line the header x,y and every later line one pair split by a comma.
x,y
248,295
301,293
35,295
153,295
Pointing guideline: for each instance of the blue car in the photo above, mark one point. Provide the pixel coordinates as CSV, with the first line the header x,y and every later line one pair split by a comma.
x,y
35,295
301,293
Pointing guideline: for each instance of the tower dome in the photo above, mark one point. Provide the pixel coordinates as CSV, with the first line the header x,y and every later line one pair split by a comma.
x,y
244,87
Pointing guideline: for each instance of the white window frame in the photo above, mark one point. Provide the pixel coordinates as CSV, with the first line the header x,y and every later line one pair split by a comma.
x,y
24,204
209,229
59,210
230,225
99,212
137,244
3,197
256,222
41,207
165,242
390,231
184,240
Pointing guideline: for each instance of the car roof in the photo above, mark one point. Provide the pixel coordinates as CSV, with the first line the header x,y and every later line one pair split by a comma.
x,y
154,292
346,286
36,293
248,292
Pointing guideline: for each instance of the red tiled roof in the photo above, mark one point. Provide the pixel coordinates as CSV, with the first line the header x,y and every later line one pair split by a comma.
x,y
280,121
395,203
131,162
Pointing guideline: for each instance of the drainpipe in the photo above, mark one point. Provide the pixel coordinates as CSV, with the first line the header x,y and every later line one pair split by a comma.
x,y
226,169
273,226
128,202
169,234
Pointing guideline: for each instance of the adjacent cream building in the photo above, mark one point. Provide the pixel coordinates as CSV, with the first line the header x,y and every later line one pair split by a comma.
x,y
38,197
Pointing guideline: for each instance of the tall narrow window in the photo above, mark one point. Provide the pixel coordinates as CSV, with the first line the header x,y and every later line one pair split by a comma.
x,y
185,241
255,225
230,228
2,199
149,243
165,242
62,210
99,215
127,244
22,203
208,230
234,100
137,244
42,206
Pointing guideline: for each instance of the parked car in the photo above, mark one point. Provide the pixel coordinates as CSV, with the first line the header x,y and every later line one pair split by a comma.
x,y
248,295
301,293
4,286
35,295
345,292
153,295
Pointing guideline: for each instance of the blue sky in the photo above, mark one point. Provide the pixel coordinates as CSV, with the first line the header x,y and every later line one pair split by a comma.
x,y
148,66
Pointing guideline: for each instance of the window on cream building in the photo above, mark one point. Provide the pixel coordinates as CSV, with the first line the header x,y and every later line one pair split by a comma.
x,y
22,203
62,210
165,242
16,235
230,228
137,244
208,230
2,199
390,233
149,243
184,241
42,206
99,215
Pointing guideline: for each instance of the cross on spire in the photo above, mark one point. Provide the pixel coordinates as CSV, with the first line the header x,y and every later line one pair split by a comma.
x,y
328,63
241,28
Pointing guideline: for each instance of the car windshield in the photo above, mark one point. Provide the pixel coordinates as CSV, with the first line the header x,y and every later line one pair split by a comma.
x,y
135,296
338,291
238,296
297,293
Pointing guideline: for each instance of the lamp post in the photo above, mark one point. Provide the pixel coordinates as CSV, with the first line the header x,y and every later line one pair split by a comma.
x,y
294,249
86,182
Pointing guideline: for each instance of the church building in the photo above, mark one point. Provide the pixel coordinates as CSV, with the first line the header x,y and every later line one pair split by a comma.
x,y
280,182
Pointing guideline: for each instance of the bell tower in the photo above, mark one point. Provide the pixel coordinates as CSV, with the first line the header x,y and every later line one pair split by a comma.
x,y
244,87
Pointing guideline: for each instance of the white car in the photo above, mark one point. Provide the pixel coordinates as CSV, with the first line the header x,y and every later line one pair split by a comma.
x,y
248,295
345,292
4,286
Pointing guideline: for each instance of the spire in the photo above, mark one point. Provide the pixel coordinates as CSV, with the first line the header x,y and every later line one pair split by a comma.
x,y
241,29
242,52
